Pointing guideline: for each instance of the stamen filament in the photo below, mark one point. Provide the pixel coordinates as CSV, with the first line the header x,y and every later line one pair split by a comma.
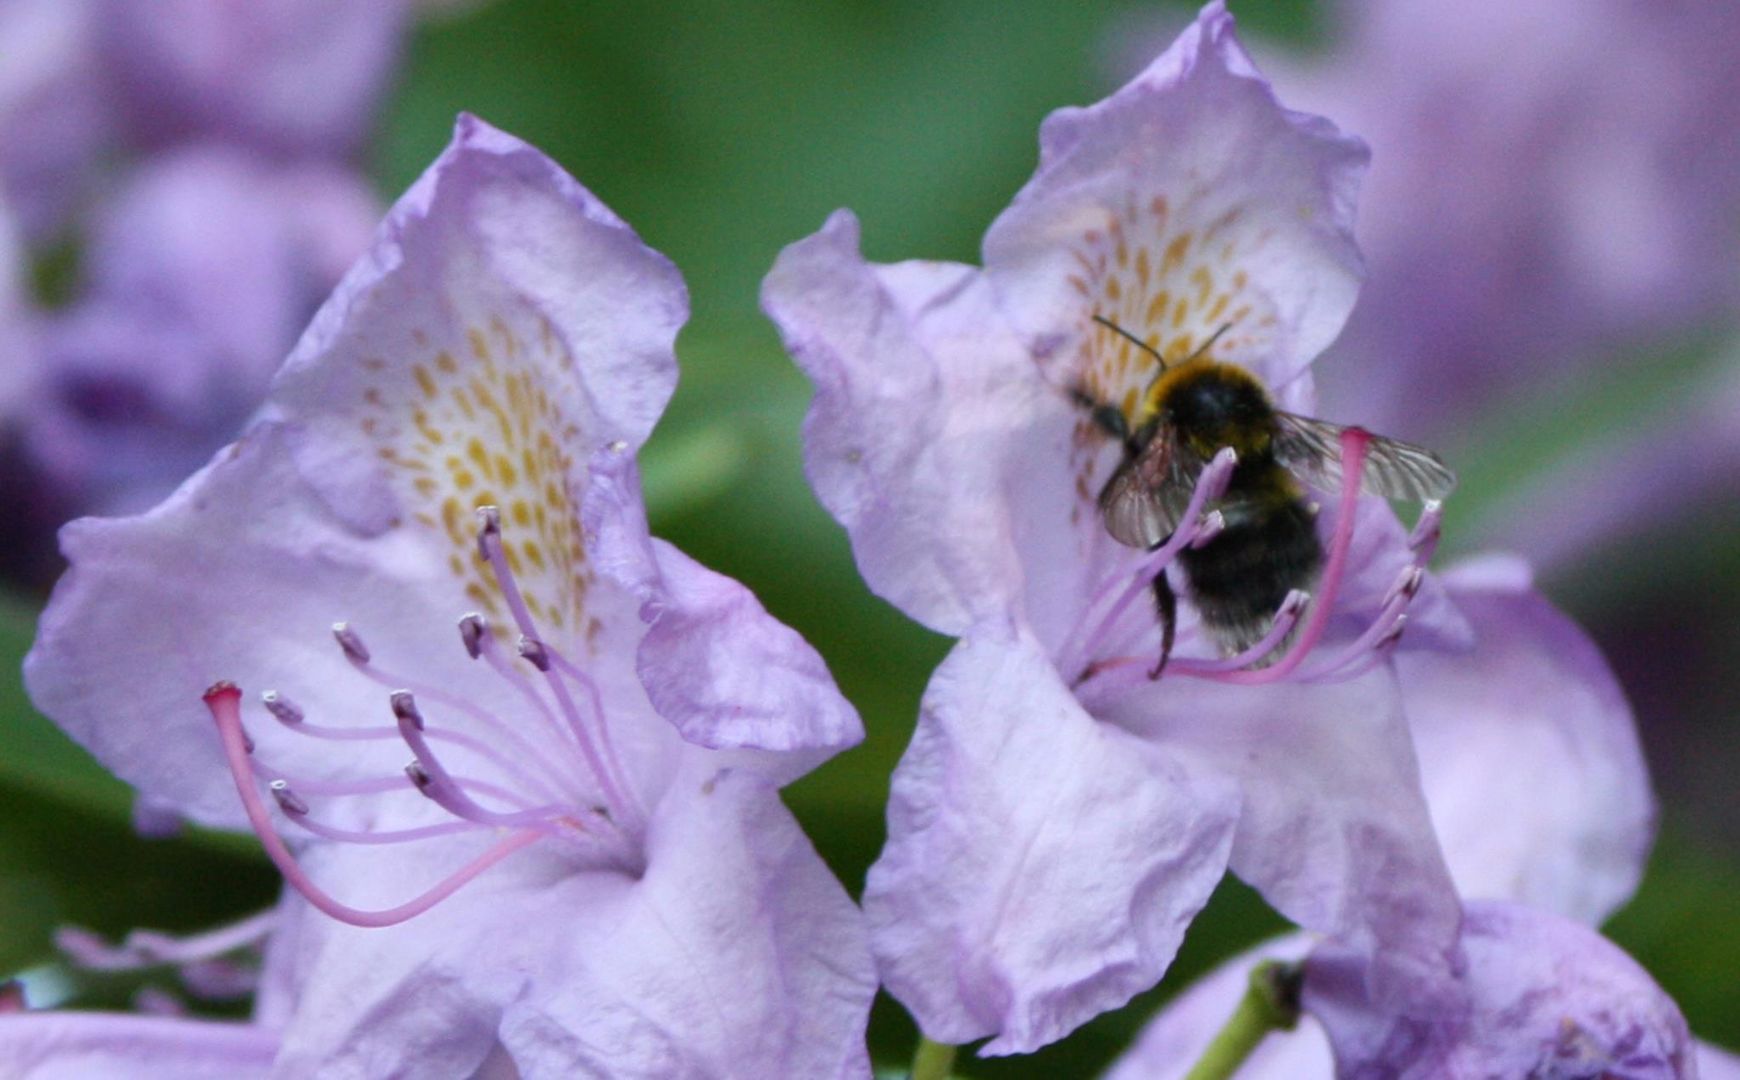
x,y
489,544
224,701
433,779
524,751
1210,485
1353,446
150,948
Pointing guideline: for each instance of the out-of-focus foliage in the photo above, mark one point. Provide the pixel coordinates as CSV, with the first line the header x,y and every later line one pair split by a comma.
x,y
723,130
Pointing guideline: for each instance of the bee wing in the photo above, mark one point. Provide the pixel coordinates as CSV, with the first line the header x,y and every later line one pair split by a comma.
x,y
1144,500
1311,449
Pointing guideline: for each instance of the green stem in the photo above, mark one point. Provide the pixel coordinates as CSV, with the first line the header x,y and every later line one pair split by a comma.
x,y
933,1061
1270,1004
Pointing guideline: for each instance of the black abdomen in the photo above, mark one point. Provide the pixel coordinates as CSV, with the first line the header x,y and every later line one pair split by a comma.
x,y
1268,547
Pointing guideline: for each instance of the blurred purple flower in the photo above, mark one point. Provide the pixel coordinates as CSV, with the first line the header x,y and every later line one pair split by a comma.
x,y
946,441
1548,997
297,77
54,118
1550,182
200,271
613,885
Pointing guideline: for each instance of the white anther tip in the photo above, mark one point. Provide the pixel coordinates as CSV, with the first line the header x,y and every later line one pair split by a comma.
x,y
533,650
418,775
473,628
280,706
1295,602
618,446
288,801
405,708
351,642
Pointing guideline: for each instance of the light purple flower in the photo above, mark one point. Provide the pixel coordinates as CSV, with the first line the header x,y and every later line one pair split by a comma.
x,y
1060,817
588,855
1548,997
1528,209
200,271
64,1045
295,77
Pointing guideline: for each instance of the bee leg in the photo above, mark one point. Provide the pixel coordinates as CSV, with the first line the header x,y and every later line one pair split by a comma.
x,y
1166,603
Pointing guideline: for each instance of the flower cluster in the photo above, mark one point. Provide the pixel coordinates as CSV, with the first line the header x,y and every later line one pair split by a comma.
x,y
519,762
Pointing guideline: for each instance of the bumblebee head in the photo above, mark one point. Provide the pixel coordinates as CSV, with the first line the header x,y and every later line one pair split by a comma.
x,y
1210,405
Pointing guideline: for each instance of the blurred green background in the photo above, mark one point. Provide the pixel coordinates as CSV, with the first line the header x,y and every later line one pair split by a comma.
x,y
723,130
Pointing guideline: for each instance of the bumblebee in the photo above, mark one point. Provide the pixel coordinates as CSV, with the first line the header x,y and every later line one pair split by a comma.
x,y
1268,543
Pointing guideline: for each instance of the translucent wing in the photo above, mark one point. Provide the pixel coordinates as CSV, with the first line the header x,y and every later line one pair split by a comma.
x,y
1311,450
1144,500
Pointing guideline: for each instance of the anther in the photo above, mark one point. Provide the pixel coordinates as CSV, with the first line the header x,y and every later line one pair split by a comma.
x,y
618,446
533,650
281,707
490,517
405,708
351,642
473,629
1394,635
1293,604
288,801
1212,523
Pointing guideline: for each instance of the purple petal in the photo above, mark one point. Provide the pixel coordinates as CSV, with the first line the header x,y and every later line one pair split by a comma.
x,y
69,1045
1334,830
1041,867
1549,997
713,661
931,433
736,952
1187,199
1528,753
1715,1063
292,76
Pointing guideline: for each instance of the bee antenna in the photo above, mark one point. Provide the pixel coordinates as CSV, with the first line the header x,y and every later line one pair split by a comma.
x,y
1209,344
1133,339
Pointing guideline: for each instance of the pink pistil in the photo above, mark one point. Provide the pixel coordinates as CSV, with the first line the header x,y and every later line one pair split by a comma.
x,y
224,701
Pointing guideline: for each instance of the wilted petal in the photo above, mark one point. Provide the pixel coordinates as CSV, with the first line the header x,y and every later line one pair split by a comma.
x,y
78,1046
1041,867
1188,199
1529,757
1548,997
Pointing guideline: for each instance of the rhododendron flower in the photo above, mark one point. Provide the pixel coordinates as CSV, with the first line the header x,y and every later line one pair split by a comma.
x,y
585,866
51,1044
1548,996
1526,209
1061,816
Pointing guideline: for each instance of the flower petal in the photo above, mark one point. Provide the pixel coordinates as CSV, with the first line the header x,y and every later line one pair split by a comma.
x,y
1041,868
1187,199
1549,997
1334,830
924,407
713,661
53,1045
1528,753
735,953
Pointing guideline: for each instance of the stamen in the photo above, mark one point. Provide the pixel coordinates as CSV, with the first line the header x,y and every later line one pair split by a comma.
x,y
1211,526
472,629
149,948
1353,447
433,779
282,707
531,649
224,702
288,801
350,642
489,544
1210,485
